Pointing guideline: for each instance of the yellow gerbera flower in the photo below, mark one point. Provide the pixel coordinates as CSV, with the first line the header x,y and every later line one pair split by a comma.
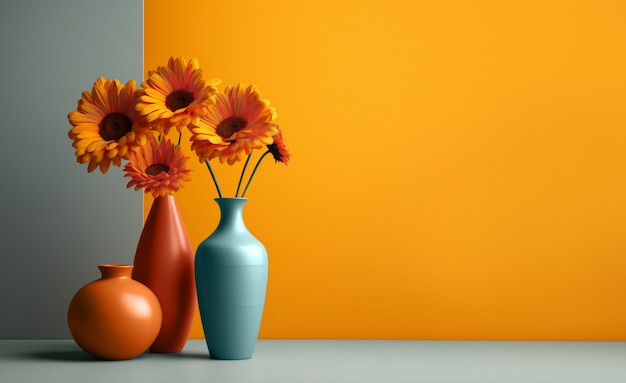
x,y
106,126
175,95
238,122
158,168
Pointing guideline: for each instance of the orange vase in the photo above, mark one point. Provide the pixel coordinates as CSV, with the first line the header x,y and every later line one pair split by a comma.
x,y
164,263
114,317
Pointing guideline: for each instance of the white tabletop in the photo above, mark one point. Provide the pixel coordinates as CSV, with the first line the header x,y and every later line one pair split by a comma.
x,y
320,361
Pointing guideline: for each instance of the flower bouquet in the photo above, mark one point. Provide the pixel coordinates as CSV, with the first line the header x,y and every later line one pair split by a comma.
x,y
115,122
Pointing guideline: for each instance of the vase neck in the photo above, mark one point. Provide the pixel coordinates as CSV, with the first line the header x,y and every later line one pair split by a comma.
x,y
115,271
231,213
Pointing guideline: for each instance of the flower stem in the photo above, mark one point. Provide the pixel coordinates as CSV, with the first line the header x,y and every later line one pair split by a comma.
x,y
242,173
217,185
253,172
180,135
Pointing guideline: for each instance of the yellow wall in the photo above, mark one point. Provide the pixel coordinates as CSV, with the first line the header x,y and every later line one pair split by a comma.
x,y
458,167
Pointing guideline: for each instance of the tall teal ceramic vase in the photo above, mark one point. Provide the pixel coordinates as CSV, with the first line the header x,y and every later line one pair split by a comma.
x,y
231,279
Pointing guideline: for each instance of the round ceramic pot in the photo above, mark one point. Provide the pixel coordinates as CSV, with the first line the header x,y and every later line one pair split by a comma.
x,y
114,317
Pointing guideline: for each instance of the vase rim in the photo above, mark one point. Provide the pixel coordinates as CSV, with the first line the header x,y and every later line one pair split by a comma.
x,y
232,198
115,270
116,265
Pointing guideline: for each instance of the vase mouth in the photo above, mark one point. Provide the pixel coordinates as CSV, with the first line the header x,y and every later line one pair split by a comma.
x,y
115,270
115,266
231,198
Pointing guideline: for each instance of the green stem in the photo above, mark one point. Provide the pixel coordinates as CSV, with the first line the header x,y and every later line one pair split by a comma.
x,y
217,185
179,137
242,173
253,172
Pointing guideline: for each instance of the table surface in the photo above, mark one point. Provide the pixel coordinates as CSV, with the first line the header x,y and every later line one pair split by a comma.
x,y
321,361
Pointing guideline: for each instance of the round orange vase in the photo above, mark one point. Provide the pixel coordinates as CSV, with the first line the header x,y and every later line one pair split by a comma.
x,y
164,263
114,317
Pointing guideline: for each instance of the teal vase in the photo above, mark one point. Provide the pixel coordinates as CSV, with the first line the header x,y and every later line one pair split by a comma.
x,y
231,279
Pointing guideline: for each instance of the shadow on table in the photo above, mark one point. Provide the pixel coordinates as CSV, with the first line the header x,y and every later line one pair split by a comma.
x,y
78,355
58,351
63,355
68,353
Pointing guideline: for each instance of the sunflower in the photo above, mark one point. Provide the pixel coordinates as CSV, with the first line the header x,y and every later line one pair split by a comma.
x,y
158,167
175,95
278,149
106,126
238,122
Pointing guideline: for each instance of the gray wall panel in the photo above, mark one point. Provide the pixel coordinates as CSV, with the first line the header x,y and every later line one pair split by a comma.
x,y
58,222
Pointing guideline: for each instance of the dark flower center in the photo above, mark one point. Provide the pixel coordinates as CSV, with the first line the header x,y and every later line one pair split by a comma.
x,y
178,99
273,149
230,126
156,169
114,126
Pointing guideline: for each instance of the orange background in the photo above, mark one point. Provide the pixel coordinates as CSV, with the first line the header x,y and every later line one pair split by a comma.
x,y
458,166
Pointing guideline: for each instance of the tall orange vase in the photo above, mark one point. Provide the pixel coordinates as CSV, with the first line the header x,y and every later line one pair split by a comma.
x,y
164,263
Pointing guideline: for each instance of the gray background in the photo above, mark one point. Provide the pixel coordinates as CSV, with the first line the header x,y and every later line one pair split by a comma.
x,y
58,222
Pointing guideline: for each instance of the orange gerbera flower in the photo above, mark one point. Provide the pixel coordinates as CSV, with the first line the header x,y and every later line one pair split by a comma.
x,y
238,122
278,149
158,167
106,126
175,95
